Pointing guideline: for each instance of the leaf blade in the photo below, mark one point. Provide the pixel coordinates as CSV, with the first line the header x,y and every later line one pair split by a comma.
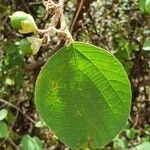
x,y
77,91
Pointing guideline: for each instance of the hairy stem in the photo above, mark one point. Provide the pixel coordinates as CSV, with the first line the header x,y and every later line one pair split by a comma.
x,y
58,16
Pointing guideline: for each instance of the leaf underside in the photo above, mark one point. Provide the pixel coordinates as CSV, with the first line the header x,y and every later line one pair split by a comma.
x,y
83,94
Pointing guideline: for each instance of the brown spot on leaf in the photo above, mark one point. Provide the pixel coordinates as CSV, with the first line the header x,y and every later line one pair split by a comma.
x,y
88,144
53,86
90,141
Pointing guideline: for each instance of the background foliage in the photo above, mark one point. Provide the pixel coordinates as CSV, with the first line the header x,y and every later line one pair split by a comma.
x,y
119,26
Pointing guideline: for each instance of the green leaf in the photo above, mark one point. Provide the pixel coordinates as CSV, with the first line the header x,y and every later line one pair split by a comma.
x,y
30,45
40,124
29,143
3,129
4,8
121,143
144,5
37,143
145,139
13,58
25,46
130,133
146,45
3,114
144,146
83,94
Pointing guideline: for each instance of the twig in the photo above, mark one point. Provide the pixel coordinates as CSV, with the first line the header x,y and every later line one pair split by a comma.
x,y
34,3
10,129
12,143
39,63
25,6
76,15
57,11
63,25
56,16
15,107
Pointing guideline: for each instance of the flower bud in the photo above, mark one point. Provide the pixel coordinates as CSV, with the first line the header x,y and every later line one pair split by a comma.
x,y
30,45
23,22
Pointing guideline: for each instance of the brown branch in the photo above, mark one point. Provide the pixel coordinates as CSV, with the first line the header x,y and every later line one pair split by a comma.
x,y
18,109
25,6
13,144
81,7
56,9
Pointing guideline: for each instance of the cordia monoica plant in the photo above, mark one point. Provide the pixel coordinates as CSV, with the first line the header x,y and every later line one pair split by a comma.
x,y
82,92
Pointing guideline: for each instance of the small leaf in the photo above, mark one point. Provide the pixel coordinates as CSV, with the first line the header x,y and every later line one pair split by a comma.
x,y
145,139
146,45
30,45
144,5
144,146
130,133
3,129
120,143
36,43
25,47
3,114
83,94
40,124
29,143
38,143
4,8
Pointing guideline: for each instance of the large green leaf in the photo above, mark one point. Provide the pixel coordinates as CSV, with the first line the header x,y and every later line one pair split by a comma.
x,y
83,94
